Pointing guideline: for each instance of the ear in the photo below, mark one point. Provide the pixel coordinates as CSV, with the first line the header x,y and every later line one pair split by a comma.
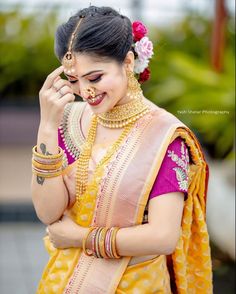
x,y
129,61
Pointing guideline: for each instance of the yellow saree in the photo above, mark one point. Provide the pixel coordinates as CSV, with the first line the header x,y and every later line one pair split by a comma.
x,y
111,200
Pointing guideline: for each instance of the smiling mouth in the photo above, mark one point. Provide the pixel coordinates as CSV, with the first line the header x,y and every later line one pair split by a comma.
x,y
96,100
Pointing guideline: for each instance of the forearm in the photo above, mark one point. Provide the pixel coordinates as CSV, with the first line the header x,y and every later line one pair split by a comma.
x,y
49,195
141,240
145,240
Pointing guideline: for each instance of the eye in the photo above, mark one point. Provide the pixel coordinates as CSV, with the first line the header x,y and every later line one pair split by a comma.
x,y
73,81
96,79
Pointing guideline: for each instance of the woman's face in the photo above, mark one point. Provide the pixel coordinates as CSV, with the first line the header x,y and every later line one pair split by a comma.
x,y
107,78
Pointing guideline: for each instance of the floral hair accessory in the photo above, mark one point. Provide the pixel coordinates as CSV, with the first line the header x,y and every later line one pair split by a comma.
x,y
143,48
139,30
144,76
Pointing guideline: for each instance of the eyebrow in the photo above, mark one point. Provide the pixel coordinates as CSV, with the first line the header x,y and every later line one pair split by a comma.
x,y
89,73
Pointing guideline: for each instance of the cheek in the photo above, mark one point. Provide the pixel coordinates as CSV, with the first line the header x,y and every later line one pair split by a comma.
x,y
110,84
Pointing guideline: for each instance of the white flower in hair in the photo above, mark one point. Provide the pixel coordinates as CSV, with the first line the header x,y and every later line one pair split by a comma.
x,y
139,66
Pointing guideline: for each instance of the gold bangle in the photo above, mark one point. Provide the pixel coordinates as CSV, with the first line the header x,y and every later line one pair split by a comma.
x,y
102,242
85,250
46,171
47,175
47,160
53,156
113,241
97,248
46,166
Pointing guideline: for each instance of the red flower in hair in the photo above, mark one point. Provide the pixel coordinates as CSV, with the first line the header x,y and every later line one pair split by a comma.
x,y
144,76
139,30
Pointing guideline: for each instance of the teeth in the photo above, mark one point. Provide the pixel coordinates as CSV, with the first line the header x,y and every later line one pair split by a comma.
x,y
96,98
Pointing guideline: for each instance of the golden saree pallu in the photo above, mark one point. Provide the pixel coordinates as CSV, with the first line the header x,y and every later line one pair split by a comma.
x,y
47,166
116,197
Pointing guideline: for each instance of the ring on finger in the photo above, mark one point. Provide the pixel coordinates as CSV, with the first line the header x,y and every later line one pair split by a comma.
x,y
61,92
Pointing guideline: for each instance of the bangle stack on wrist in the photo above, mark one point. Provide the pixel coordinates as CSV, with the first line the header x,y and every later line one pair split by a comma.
x,y
103,242
46,166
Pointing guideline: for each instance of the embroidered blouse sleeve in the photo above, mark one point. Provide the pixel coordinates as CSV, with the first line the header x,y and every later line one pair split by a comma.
x,y
173,173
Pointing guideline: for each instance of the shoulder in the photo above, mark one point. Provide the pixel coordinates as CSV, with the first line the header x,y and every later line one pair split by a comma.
x,y
161,116
178,153
173,175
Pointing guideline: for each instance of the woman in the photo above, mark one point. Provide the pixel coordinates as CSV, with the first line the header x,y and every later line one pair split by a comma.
x,y
122,186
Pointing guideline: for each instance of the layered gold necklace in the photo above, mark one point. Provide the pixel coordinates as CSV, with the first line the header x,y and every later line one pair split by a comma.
x,y
85,155
122,115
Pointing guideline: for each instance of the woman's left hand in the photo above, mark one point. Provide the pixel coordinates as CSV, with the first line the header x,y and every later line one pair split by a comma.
x,y
65,233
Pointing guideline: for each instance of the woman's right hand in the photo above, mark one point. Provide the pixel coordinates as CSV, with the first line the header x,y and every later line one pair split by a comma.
x,y
53,96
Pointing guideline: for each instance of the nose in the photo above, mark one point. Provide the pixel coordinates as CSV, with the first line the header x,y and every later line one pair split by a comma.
x,y
89,92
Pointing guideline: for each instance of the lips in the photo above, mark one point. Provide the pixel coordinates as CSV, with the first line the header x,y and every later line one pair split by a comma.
x,y
96,100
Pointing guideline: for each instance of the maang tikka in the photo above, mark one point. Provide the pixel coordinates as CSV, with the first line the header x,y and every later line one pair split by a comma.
x,y
69,60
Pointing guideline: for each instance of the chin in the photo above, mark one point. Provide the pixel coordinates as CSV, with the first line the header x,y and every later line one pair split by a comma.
x,y
102,107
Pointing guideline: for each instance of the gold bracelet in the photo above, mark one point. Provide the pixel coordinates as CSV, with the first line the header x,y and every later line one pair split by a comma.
x,y
97,248
46,171
47,160
102,242
46,175
113,241
85,250
46,166
53,156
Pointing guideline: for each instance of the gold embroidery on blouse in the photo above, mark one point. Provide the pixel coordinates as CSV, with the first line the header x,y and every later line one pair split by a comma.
x,y
181,172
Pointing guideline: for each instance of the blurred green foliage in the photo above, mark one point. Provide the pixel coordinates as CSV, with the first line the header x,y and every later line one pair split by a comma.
x,y
26,50
182,80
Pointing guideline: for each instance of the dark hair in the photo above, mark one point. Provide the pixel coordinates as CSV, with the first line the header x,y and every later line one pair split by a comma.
x,y
103,32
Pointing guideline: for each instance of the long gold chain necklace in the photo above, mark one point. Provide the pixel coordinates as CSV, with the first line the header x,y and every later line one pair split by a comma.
x,y
83,160
122,115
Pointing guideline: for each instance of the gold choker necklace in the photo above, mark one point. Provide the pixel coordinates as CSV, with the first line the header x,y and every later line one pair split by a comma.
x,y
122,115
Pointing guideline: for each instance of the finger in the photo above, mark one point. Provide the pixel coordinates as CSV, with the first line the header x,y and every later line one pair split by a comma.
x,y
52,76
57,79
66,99
61,83
47,231
65,90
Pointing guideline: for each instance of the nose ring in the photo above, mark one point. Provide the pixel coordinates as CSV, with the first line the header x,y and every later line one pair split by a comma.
x,y
91,92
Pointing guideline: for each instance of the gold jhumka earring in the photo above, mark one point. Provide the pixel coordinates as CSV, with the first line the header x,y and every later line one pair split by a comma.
x,y
122,115
134,90
69,60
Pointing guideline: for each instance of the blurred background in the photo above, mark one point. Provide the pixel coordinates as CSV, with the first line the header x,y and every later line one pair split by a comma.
x,y
193,76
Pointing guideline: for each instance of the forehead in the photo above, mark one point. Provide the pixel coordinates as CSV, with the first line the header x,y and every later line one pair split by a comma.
x,y
86,63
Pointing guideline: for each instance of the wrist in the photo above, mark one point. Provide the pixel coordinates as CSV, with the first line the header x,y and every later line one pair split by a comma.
x,y
79,236
47,128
